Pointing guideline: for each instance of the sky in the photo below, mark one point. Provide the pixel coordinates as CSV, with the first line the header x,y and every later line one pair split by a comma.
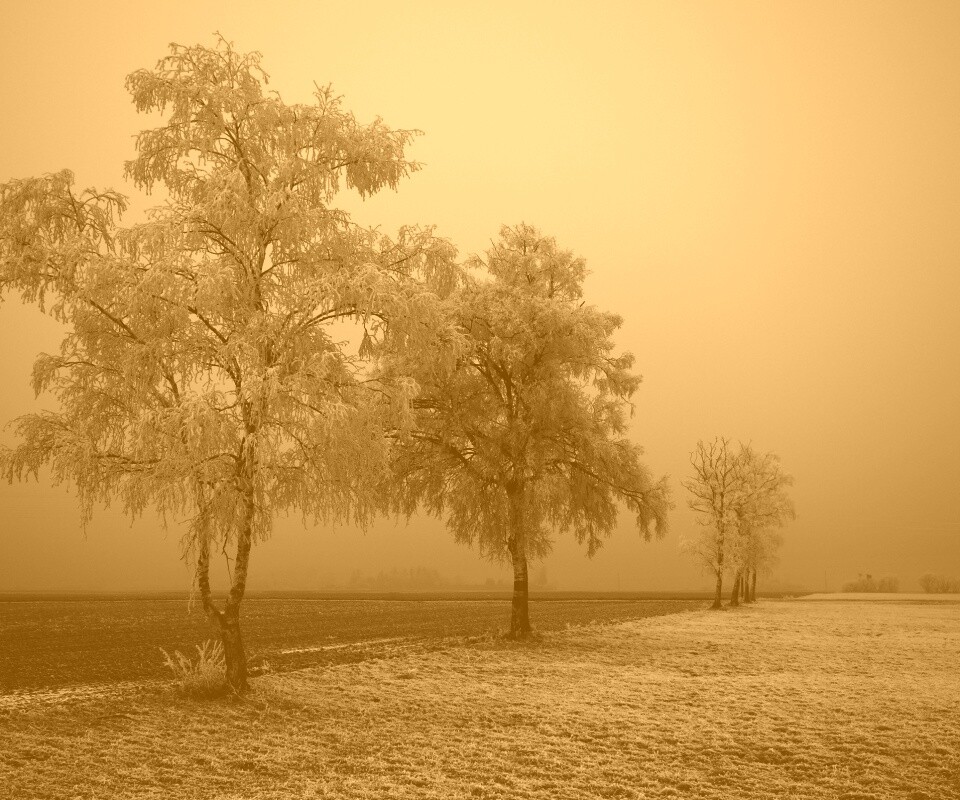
x,y
768,193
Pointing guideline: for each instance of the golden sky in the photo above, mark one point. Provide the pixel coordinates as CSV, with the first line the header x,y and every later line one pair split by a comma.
x,y
767,192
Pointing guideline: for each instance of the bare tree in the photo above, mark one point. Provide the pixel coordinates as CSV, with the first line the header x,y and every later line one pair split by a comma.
x,y
713,488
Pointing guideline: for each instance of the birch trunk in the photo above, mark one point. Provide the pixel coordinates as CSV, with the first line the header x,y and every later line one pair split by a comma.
x,y
520,610
520,614
227,619
233,652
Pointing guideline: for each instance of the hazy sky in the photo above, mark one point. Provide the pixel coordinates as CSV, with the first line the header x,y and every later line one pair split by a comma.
x,y
768,193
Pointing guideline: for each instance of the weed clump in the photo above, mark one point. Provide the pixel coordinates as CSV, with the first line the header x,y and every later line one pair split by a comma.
x,y
203,678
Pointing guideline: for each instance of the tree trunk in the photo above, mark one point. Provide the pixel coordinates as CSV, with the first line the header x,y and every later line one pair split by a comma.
x,y
718,596
233,653
719,552
753,587
227,620
520,611
236,661
520,614
743,586
735,594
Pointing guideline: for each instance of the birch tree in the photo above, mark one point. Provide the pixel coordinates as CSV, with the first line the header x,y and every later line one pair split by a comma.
x,y
203,372
524,435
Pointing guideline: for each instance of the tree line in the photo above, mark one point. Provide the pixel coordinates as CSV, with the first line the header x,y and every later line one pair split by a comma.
x,y
930,583
204,374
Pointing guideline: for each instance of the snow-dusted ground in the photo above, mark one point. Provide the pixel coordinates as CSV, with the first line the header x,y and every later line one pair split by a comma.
x,y
783,699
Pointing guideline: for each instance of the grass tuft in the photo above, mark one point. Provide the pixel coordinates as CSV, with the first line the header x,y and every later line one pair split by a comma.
x,y
203,678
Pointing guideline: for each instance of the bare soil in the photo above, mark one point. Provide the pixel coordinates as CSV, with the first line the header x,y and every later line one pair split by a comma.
x,y
55,643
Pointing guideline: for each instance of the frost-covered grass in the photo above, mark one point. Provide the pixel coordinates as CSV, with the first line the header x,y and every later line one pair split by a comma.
x,y
783,699
204,676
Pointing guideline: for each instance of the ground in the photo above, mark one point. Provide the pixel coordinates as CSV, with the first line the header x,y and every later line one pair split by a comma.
x,y
789,698
60,643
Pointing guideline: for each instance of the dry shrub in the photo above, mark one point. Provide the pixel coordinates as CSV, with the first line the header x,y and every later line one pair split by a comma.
x,y
205,677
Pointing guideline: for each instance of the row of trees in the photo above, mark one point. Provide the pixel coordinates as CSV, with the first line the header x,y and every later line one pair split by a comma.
x,y
929,582
203,371
740,499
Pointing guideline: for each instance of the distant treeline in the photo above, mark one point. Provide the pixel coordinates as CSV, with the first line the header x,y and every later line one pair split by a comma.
x,y
931,584
416,578
867,583
939,584
427,579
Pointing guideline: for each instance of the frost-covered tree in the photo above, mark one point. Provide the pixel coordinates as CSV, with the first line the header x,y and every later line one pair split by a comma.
x,y
713,488
524,433
760,509
740,499
760,556
203,371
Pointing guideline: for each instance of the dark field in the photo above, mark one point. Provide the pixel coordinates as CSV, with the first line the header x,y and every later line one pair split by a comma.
x,y
58,642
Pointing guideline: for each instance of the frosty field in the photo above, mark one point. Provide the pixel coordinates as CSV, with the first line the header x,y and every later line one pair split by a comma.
x,y
788,698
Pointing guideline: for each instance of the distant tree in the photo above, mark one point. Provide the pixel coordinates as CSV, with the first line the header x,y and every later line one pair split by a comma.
x,y
713,488
761,557
939,584
759,509
867,583
863,583
201,373
740,499
525,433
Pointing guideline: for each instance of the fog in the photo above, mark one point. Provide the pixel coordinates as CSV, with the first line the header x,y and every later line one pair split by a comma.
x,y
767,193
